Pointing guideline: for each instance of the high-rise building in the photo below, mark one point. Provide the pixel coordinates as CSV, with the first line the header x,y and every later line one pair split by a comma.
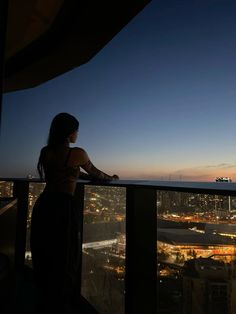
x,y
223,179
208,287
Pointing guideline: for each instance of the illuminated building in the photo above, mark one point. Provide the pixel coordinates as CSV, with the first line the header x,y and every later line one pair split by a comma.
x,y
223,179
208,287
175,246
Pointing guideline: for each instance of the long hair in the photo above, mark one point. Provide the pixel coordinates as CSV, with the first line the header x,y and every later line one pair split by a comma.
x,y
63,124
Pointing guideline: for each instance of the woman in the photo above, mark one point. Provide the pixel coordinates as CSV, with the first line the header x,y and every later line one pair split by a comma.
x,y
54,226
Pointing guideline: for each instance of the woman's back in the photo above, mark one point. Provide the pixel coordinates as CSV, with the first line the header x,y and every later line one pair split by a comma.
x,y
61,169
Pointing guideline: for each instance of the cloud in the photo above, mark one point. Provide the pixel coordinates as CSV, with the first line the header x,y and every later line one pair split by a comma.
x,y
220,166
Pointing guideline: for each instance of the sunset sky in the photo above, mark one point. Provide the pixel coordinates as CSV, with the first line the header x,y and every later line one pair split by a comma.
x,y
157,102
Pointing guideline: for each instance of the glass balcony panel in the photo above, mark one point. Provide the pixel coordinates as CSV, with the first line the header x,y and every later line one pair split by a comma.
x,y
6,189
196,237
8,221
103,259
35,189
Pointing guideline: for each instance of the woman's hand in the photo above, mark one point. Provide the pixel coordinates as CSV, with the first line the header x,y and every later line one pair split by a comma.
x,y
115,177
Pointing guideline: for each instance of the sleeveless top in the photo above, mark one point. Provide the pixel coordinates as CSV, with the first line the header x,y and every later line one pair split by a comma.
x,y
59,176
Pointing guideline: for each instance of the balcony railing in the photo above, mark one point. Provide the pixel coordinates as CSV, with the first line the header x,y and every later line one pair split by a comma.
x,y
118,244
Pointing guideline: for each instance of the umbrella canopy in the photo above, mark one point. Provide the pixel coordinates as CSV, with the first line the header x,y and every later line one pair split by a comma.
x,y
46,38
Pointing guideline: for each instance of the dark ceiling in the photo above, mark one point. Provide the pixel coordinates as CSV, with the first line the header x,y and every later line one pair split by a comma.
x,y
48,38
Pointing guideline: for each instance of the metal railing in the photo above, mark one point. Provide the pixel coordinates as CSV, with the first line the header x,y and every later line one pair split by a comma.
x,y
141,230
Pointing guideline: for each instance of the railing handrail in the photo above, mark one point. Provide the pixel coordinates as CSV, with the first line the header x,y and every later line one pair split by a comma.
x,y
219,188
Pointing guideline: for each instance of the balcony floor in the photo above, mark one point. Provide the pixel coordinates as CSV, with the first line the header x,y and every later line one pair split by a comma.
x,y
24,298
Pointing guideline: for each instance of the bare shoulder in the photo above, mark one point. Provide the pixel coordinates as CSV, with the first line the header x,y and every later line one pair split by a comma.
x,y
80,155
78,151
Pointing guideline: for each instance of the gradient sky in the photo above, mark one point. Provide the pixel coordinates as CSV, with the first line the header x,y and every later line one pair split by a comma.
x,y
157,102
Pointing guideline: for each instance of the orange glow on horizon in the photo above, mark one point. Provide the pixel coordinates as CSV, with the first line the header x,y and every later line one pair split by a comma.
x,y
189,175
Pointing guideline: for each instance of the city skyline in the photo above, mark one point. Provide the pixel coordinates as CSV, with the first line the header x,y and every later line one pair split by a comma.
x,y
157,102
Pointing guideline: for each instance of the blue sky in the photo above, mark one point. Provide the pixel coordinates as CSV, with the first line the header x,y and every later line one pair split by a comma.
x,y
156,102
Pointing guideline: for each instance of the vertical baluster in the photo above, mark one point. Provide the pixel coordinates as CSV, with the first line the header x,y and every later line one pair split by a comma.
x,y
21,192
141,251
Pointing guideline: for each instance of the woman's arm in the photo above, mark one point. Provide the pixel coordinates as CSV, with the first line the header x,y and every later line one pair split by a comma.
x,y
93,172
96,173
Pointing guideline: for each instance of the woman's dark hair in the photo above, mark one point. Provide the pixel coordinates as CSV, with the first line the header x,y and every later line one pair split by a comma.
x,y
63,124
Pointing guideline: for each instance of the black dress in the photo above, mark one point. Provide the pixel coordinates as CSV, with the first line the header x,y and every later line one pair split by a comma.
x,y
54,247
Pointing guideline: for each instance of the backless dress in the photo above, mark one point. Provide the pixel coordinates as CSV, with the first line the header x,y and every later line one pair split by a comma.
x,y
55,246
